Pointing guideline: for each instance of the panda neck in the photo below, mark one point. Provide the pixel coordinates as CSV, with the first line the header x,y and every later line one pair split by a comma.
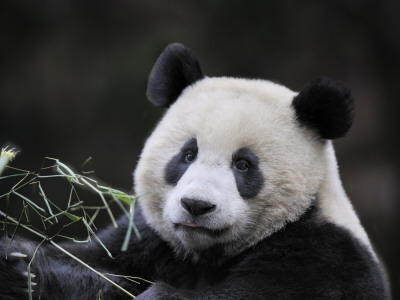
x,y
333,202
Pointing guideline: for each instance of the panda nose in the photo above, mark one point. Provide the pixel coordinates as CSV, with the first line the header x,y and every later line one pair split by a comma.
x,y
197,207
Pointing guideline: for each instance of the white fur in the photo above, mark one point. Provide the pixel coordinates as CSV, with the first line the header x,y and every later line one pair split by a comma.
x,y
224,115
212,183
333,201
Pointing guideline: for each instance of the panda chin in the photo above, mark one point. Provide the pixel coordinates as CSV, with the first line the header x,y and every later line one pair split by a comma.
x,y
195,237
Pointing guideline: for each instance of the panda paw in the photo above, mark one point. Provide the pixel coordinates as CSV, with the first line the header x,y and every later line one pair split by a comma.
x,y
14,276
18,255
25,273
32,276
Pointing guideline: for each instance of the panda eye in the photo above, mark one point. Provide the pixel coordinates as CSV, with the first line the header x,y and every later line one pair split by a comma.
x,y
242,165
190,156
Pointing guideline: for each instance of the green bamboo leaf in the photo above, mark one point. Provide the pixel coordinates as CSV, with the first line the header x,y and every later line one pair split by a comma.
x,y
30,202
67,214
126,198
101,243
120,205
72,217
14,175
46,201
102,198
120,195
66,168
130,227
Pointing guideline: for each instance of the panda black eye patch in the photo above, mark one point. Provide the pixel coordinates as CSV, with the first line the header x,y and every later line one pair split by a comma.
x,y
178,165
248,176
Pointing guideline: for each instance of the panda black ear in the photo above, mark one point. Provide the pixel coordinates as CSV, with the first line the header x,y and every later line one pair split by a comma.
x,y
325,106
175,69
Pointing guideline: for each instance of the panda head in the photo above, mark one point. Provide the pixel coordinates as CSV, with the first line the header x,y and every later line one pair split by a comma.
x,y
233,160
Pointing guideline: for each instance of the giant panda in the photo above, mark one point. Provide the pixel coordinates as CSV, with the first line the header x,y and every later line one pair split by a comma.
x,y
240,198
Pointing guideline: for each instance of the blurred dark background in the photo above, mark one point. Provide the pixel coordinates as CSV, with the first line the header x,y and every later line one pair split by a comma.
x,y
73,78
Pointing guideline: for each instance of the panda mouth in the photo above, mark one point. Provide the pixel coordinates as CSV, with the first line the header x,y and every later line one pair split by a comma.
x,y
194,227
189,224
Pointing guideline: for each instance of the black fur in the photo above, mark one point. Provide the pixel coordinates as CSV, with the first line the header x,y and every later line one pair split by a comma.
x,y
175,69
326,107
179,164
308,259
249,182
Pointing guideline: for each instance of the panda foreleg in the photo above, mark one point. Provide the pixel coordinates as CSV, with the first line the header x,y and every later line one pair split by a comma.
x,y
54,275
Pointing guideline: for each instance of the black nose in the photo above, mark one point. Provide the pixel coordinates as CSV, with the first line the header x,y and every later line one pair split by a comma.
x,y
197,207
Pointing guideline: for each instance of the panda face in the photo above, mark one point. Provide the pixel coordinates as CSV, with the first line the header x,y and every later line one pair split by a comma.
x,y
209,189
227,166
203,196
